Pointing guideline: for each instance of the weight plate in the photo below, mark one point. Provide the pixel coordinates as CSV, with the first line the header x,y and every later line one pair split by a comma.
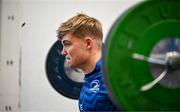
x,y
65,81
137,31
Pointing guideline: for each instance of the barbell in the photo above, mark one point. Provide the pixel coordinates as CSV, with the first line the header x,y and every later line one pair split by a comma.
x,y
144,73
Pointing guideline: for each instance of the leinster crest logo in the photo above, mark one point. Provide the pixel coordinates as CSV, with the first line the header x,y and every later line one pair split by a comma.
x,y
94,86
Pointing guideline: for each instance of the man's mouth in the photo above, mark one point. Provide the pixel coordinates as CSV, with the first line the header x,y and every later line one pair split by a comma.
x,y
67,58
67,61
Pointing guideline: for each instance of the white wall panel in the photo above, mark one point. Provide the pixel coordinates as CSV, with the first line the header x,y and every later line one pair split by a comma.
x,y
10,48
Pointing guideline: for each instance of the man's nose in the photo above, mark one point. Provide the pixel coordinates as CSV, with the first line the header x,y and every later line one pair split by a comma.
x,y
64,52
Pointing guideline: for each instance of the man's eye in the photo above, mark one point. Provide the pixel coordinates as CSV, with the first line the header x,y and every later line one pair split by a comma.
x,y
66,44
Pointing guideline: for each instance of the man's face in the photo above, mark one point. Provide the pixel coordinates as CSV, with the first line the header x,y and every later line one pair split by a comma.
x,y
74,50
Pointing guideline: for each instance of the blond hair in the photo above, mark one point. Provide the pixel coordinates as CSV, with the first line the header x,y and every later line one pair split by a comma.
x,y
80,26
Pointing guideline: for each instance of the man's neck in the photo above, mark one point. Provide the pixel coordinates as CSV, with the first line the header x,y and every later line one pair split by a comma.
x,y
91,63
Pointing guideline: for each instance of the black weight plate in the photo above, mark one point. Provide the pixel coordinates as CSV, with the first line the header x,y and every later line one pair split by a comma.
x,y
57,73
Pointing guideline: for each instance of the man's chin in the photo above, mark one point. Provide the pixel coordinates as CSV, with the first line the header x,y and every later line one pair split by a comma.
x,y
71,66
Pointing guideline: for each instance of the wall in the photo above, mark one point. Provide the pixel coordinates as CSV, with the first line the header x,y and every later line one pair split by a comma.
x,y
10,55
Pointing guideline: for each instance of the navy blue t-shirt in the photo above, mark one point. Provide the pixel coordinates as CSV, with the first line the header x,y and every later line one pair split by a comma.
x,y
94,96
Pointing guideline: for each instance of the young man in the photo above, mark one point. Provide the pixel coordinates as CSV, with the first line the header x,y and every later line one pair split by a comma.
x,y
81,37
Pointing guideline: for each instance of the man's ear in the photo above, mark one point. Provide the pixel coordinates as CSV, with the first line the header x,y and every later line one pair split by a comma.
x,y
89,41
